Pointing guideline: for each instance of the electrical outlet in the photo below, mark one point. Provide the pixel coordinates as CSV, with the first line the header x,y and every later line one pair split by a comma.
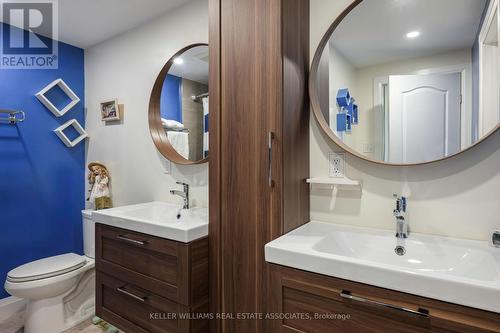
x,y
337,165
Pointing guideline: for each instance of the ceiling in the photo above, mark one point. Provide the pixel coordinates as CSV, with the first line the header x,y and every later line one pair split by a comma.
x,y
194,66
375,31
85,23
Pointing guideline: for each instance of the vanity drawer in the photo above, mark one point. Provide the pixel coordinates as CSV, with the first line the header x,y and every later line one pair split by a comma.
x,y
134,309
173,270
360,319
154,257
371,310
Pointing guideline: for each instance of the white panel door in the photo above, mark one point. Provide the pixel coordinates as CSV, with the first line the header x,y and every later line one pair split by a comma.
x,y
424,117
489,62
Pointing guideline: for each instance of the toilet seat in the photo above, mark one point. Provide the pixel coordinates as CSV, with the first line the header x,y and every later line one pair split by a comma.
x,y
46,268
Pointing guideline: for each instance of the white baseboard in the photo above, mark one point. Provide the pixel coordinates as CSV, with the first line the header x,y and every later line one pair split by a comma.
x,y
9,306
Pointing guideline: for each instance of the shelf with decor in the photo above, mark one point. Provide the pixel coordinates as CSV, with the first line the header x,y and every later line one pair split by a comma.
x,y
347,111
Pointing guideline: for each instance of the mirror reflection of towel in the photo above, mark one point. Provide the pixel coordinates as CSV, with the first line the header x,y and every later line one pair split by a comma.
x,y
170,123
180,142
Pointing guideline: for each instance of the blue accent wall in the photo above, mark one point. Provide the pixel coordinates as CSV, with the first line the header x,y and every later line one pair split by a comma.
x,y
42,182
171,98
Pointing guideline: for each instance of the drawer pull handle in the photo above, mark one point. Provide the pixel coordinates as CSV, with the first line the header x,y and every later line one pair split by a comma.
x,y
123,291
133,241
420,312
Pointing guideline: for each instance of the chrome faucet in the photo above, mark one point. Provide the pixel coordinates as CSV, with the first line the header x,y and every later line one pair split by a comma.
x,y
399,214
184,194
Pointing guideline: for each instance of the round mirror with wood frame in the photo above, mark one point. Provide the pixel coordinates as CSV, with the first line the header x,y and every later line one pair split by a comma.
x,y
397,88
178,107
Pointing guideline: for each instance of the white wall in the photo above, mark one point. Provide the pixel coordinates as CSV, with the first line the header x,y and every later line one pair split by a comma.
x,y
126,67
459,197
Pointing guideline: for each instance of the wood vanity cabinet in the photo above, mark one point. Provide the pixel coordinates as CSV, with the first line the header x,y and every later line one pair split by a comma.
x,y
150,284
299,292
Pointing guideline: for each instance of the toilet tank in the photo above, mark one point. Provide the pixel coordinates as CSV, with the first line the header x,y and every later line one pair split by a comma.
x,y
88,233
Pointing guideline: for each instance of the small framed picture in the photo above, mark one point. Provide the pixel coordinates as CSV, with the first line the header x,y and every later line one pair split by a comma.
x,y
110,111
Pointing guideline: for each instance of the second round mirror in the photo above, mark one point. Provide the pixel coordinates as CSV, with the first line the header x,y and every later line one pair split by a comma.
x,y
409,82
179,107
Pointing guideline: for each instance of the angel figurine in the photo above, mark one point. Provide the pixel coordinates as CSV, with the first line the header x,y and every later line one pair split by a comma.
x,y
99,179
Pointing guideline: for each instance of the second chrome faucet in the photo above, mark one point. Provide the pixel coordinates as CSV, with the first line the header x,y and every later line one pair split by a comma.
x,y
184,194
400,215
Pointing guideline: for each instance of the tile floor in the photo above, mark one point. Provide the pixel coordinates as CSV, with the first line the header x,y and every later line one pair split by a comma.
x,y
14,324
86,327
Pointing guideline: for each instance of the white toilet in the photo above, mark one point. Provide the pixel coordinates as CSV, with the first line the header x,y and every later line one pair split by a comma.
x,y
60,290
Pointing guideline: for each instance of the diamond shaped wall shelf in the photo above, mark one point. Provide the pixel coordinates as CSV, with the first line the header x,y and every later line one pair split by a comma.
x,y
76,125
48,104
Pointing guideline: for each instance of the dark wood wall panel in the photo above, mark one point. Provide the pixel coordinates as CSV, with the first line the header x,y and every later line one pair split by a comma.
x,y
243,165
248,99
295,113
214,227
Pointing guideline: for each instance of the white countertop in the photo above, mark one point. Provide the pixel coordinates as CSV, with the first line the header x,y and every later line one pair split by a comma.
x,y
157,219
452,270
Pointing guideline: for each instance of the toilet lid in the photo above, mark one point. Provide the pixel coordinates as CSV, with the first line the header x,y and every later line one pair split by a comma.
x,y
47,267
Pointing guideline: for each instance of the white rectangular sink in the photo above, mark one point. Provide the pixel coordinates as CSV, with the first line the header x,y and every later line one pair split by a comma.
x,y
157,219
458,271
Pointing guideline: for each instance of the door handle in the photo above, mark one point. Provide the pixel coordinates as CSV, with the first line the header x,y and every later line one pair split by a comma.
x,y
420,312
270,137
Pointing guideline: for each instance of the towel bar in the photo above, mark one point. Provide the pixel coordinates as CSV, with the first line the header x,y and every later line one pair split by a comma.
x,y
13,116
